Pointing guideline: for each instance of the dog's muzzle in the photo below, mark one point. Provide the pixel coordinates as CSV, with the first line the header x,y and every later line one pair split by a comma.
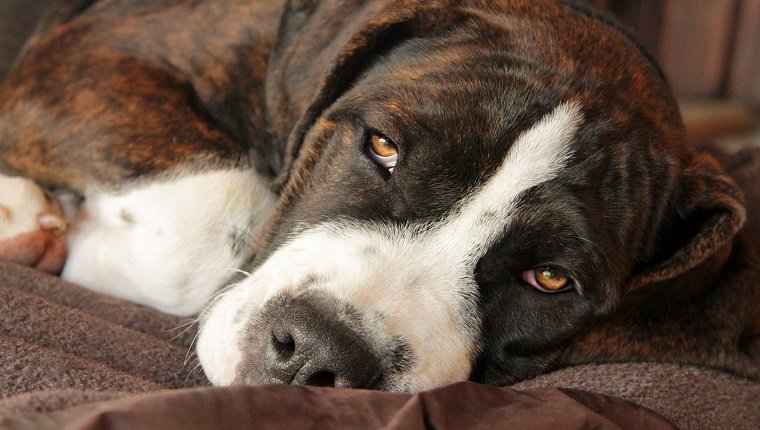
x,y
304,340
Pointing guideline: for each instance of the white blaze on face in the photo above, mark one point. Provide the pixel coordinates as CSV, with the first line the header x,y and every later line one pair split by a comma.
x,y
411,280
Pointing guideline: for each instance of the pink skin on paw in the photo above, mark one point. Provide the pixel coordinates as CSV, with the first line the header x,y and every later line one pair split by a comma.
x,y
32,226
41,249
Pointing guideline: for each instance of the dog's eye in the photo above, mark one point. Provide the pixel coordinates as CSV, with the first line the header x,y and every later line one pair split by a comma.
x,y
547,279
382,151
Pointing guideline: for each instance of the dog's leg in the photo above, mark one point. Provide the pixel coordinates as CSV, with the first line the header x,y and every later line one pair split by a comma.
x,y
168,244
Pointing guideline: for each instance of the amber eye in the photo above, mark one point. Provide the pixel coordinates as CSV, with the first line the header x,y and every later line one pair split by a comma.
x,y
382,151
547,279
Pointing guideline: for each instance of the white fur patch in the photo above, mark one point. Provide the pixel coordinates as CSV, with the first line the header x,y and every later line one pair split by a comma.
x,y
413,280
167,245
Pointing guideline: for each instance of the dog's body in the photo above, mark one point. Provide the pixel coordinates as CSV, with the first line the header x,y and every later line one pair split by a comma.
x,y
123,103
482,190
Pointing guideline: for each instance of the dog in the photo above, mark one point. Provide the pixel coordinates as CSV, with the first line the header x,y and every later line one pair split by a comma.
x,y
416,192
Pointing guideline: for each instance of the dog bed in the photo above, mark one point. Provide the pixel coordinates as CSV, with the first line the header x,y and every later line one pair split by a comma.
x,y
70,358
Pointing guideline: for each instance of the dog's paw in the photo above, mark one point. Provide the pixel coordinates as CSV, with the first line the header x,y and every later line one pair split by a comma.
x,y
167,244
32,225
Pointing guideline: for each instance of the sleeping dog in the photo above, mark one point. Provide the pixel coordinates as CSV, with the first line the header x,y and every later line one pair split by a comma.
x,y
415,192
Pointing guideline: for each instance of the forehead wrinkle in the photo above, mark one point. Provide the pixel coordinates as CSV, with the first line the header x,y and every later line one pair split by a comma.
x,y
537,155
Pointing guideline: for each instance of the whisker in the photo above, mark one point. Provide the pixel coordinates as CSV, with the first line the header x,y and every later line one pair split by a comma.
x,y
219,294
216,297
241,271
190,351
187,326
185,323
194,372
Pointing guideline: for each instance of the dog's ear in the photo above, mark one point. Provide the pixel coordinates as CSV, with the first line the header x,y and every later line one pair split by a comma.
x,y
706,213
322,47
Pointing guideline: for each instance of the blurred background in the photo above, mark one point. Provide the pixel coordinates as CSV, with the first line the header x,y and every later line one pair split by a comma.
x,y
710,52
709,49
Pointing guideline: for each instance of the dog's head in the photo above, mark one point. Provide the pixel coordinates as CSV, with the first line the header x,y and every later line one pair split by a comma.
x,y
465,189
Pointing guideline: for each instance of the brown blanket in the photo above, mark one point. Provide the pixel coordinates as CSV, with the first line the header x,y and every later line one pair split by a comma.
x,y
72,358
458,406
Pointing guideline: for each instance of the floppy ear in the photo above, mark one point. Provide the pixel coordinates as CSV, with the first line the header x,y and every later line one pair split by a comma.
x,y
322,48
709,211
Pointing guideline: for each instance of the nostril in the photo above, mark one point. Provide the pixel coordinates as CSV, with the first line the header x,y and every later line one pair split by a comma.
x,y
303,341
321,379
283,344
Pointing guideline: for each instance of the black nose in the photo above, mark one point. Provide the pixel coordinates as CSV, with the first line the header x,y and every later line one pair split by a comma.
x,y
309,343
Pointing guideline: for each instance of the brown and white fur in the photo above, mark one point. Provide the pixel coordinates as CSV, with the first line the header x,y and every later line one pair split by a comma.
x,y
530,134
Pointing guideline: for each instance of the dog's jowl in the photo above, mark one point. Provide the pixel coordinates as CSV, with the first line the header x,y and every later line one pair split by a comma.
x,y
415,192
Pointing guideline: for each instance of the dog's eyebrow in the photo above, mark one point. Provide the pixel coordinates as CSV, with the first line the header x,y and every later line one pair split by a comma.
x,y
537,155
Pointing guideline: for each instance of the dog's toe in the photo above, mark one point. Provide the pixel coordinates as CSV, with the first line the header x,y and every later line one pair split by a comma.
x,y
32,225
